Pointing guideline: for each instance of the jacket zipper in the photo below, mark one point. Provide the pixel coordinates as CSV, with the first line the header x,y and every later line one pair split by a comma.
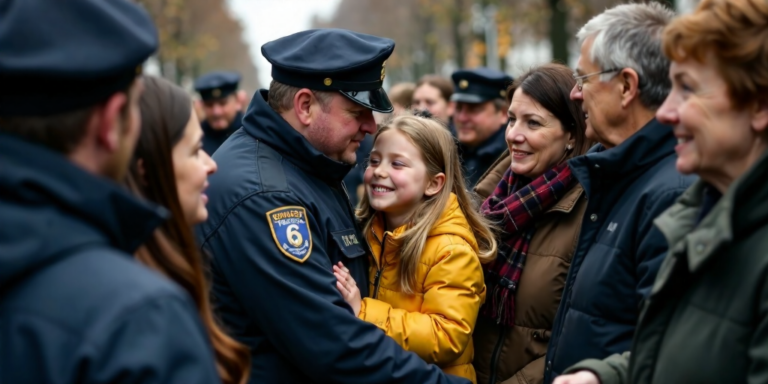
x,y
496,354
377,278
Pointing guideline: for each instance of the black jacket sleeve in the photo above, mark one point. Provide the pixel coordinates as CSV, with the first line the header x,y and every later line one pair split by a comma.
x,y
160,341
298,307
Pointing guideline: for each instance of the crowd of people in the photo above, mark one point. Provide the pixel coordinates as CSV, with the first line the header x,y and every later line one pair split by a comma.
x,y
600,224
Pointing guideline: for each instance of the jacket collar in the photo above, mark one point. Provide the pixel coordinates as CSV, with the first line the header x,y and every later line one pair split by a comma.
x,y
264,124
37,177
567,202
743,207
652,143
237,122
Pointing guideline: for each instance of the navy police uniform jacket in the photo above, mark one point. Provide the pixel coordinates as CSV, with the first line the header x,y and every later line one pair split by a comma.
x,y
213,138
476,161
619,249
279,219
75,307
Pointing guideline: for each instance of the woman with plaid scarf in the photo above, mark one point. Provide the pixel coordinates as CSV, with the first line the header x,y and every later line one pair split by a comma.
x,y
538,204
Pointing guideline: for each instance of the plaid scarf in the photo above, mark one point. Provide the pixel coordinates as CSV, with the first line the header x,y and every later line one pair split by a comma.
x,y
515,204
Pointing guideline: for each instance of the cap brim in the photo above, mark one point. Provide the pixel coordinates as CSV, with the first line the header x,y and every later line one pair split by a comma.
x,y
375,100
468,98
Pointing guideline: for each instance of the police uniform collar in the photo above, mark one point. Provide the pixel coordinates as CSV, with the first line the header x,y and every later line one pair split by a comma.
x,y
37,176
266,125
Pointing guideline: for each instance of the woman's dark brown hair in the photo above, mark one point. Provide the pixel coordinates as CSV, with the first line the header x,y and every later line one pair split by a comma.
x,y
165,112
550,85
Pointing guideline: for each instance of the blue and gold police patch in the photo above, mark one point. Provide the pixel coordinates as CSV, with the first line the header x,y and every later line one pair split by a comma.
x,y
291,232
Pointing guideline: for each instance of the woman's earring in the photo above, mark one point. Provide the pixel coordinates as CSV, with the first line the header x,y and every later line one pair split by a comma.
x,y
568,147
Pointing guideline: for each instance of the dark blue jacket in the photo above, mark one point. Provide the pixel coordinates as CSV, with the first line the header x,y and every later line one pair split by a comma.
x,y
273,283
619,249
74,305
476,161
213,138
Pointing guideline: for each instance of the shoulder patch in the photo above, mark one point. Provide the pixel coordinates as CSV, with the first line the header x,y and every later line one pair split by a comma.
x,y
291,232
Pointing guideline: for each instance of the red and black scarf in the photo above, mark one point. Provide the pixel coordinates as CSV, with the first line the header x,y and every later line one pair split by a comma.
x,y
516,204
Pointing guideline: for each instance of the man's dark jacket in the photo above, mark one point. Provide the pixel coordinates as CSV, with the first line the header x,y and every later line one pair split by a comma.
x,y
75,307
283,305
476,161
619,249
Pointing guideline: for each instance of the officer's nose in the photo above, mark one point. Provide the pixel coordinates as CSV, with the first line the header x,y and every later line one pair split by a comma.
x,y
368,123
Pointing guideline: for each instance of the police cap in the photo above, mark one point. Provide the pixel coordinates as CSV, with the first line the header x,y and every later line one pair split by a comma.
x,y
333,60
57,56
217,84
479,85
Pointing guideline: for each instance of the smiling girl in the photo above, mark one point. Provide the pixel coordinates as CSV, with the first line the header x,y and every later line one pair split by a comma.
x,y
427,241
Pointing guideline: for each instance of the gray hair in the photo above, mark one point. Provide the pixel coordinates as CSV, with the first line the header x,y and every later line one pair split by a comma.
x,y
629,36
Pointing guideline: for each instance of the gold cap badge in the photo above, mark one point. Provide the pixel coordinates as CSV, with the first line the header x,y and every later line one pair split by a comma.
x,y
503,93
327,81
463,84
216,92
383,70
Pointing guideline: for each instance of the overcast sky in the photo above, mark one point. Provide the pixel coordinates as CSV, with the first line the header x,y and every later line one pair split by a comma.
x,y
267,20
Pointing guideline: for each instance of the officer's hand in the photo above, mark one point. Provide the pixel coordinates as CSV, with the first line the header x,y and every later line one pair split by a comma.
x,y
581,377
347,286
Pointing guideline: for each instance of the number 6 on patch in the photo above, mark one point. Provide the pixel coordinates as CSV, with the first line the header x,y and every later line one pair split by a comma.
x,y
291,232
294,237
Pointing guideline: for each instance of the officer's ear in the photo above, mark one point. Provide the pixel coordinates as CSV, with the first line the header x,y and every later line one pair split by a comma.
x,y
108,122
302,106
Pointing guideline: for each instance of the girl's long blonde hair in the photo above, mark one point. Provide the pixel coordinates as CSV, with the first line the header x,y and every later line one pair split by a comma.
x,y
439,152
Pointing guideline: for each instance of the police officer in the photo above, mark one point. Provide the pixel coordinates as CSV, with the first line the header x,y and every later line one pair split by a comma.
x,y
279,217
480,117
222,104
75,307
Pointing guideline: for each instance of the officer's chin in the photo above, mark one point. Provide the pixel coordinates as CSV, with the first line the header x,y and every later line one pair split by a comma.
x,y
349,158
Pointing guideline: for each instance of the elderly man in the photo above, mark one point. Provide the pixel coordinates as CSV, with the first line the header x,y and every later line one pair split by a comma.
x,y
629,178
280,218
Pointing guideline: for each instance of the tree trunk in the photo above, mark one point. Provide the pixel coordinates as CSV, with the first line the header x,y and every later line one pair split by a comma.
x,y
458,40
557,31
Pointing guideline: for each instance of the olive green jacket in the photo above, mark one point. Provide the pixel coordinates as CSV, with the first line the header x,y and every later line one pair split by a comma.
x,y
706,319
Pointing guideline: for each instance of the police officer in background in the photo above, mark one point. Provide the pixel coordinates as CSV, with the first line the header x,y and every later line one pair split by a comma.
x,y
222,104
279,217
480,117
75,307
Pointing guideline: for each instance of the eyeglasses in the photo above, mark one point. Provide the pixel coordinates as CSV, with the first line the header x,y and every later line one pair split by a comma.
x,y
580,79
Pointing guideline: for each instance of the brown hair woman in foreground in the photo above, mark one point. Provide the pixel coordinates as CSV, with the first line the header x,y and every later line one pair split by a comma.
x,y
170,168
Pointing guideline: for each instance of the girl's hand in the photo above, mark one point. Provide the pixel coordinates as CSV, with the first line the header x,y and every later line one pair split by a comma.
x,y
580,377
347,286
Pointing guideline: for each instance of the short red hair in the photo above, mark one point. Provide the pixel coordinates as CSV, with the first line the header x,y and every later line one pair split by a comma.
x,y
735,34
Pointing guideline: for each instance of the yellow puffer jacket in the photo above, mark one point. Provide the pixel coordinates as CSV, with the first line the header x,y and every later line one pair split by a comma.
x,y
437,321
